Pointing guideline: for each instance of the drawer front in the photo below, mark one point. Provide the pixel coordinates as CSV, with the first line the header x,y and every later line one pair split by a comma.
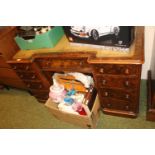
x,y
117,82
3,62
116,69
34,85
117,105
125,95
21,67
62,63
28,76
85,121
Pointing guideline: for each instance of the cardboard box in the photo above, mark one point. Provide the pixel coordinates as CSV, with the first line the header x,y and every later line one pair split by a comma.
x,y
45,40
84,121
120,36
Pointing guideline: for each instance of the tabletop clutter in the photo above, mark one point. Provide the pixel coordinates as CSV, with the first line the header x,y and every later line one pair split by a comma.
x,y
72,92
29,32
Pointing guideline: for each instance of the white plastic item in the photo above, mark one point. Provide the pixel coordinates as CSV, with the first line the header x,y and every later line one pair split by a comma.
x,y
57,93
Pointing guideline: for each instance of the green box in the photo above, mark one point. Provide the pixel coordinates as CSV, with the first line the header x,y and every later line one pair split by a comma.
x,y
45,40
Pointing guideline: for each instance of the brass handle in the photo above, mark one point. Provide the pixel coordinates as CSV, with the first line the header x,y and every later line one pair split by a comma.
x,y
101,70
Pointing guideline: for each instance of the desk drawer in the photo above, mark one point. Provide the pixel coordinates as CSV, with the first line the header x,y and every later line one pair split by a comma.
x,y
28,76
124,95
34,85
21,66
112,81
117,105
84,121
116,69
62,63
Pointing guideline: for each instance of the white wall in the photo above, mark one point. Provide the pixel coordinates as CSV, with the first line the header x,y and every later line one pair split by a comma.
x,y
148,49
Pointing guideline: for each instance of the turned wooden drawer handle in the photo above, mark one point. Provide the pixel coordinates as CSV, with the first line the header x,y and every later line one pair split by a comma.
x,y
81,63
27,68
127,71
14,67
21,76
108,105
127,107
33,77
106,94
104,82
101,70
40,86
47,63
28,85
127,96
127,83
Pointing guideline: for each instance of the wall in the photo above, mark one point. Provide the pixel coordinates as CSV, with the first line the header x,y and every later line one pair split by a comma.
x,y
149,48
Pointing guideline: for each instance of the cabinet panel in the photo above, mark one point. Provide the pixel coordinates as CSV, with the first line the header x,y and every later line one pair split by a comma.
x,y
8,46
8,73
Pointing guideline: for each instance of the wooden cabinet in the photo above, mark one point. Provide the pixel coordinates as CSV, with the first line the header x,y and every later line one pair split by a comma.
x,y
118,88
8,49
117,74
32,77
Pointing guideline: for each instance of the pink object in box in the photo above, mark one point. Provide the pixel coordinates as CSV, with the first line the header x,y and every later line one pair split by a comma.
x,y
57,93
